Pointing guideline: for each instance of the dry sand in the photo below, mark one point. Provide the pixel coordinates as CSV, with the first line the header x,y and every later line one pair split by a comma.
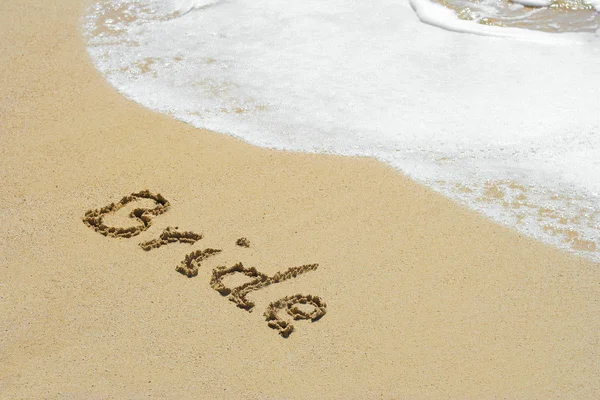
x,y
425,299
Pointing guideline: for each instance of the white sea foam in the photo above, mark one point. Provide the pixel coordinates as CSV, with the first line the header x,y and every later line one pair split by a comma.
x,y
437,15
534,3
185,6
594,3
507,127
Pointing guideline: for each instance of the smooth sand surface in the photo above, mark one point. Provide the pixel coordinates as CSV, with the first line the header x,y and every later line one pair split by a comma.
x,y
425,299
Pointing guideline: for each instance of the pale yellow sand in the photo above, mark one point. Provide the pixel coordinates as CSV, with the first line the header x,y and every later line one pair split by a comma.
x,y
425,299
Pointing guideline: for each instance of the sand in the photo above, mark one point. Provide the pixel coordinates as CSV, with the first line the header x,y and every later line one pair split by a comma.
x,y
421,298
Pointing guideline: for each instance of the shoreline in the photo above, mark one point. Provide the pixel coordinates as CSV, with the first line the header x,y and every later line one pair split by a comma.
x,y
538,188
425,298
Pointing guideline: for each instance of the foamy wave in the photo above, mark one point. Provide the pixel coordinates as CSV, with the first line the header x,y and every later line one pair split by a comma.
x,y
185,6
437,15
534,3
507,127
512,18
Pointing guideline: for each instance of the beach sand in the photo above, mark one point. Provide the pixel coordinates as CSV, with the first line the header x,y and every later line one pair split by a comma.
x,y
425,299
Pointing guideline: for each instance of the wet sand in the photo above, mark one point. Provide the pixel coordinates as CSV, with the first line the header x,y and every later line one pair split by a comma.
x,y
424,299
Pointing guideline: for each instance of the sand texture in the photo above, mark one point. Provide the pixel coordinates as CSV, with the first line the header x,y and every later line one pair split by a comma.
x,y
108,290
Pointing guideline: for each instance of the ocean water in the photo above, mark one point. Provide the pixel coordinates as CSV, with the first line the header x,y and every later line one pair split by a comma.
x,y
499,109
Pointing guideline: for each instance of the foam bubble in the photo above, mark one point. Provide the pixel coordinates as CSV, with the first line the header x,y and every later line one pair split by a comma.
x,y
507,127
594,3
